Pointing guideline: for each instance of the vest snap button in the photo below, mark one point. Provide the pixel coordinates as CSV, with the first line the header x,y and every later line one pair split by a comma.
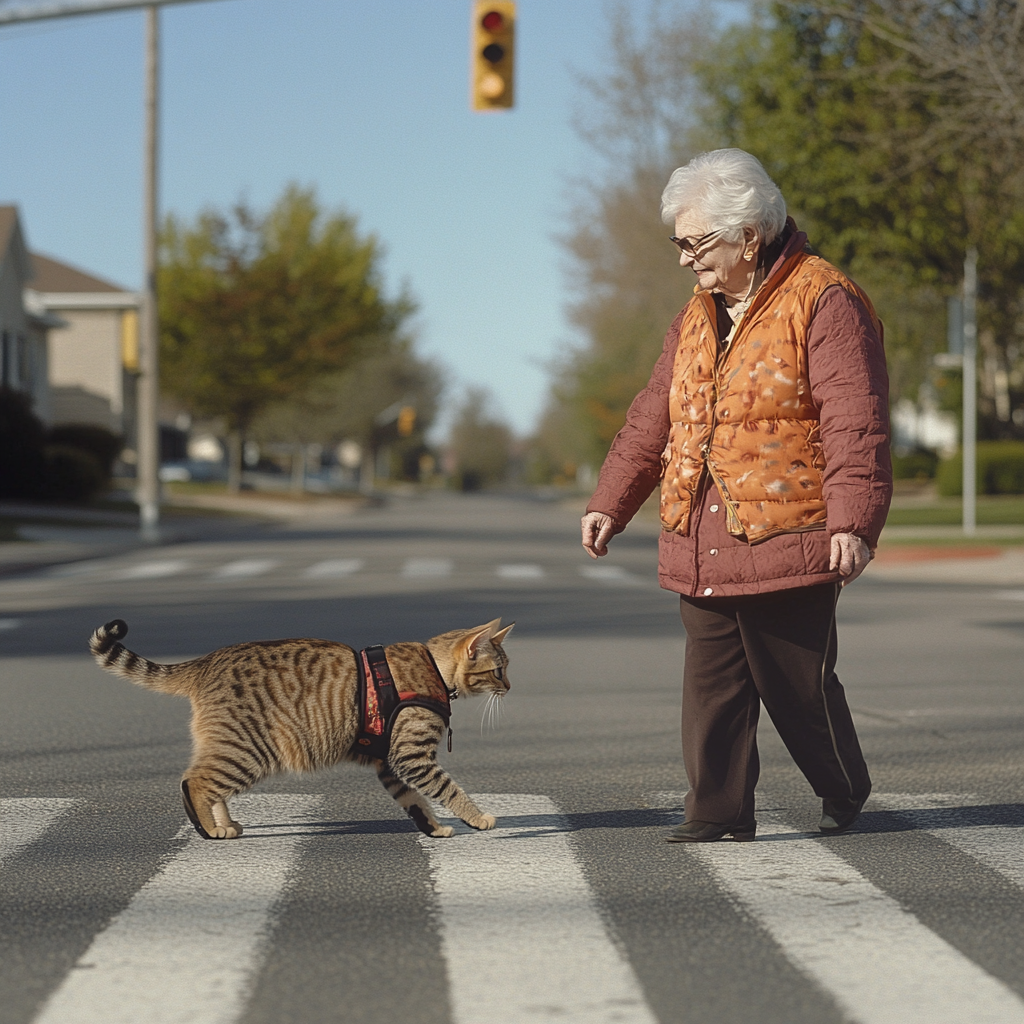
x,y
714,551
714,508
708,591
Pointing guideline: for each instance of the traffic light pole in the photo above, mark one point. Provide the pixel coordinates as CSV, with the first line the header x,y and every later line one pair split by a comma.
x,y
147,493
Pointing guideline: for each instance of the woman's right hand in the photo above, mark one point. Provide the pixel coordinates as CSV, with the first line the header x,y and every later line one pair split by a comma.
x,y
597,531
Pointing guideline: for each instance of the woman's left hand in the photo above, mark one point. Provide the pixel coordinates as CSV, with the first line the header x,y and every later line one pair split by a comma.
x,y
850,555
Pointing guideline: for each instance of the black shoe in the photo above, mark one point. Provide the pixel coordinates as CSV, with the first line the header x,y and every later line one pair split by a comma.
x,y
710,832
838,815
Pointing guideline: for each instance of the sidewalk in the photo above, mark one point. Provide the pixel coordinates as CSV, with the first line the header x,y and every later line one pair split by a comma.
x,y
932,554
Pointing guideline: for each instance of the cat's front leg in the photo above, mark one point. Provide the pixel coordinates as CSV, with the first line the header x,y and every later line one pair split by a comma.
x,y
412,759
414,804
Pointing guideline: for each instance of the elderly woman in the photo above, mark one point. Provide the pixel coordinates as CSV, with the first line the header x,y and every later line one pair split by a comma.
x,y
765,420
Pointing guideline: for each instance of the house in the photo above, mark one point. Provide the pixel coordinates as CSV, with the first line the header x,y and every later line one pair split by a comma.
x,y
24,323
93,357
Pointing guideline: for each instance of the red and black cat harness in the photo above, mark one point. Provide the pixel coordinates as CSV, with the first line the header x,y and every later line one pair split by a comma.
x,y
380,700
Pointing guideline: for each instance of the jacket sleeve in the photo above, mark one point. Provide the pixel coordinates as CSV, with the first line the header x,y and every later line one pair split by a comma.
x,y
632,467
850,386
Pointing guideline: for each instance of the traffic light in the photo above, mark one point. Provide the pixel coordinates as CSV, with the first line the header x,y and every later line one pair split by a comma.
x,y
406,420
493,57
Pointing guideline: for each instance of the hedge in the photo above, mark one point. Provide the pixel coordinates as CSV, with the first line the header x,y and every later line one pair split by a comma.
x,y
1000,470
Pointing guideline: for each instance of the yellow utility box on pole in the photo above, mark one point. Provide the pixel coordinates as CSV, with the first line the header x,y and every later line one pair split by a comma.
x,y
492,62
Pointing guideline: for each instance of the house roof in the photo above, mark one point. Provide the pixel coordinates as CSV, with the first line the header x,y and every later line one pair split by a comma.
x,y
50,275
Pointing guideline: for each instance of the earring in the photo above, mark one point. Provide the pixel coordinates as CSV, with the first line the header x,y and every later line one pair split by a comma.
x,y
748,256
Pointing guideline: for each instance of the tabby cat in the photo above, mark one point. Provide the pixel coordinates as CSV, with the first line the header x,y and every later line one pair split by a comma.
x,y
260,708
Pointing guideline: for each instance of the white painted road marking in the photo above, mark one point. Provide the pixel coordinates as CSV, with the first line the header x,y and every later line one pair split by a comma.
x,y
244,568
186,947
945,816
151,570
520,572
24,819
427,567
614,575
1010,595
520,928
334,567
875,958
9,623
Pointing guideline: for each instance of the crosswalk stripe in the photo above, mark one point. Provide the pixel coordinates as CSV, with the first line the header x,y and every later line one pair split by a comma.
x,y
24,819
876,959
520,572
186,947
244,568
151,570
520,927
945,816
427,567
614,575
331,567
9,624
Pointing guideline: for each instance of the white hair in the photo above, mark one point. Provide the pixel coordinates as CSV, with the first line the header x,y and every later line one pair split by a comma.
x,y
730,190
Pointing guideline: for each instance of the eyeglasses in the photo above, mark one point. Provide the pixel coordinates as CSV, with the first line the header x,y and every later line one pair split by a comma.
x,y
690,248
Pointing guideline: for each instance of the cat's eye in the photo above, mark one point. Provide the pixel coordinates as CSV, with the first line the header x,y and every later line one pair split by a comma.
x,y
498,671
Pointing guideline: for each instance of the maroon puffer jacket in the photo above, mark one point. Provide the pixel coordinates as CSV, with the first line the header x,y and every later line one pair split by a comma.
x,y
846,365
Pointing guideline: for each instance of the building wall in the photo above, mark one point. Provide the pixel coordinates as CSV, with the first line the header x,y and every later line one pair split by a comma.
x,y
12,323
85,368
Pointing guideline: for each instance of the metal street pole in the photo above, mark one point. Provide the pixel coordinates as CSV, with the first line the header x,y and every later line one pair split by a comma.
x,y
147,493
969,445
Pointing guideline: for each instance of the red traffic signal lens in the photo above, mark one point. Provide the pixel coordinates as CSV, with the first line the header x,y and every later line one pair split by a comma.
x,y
493,21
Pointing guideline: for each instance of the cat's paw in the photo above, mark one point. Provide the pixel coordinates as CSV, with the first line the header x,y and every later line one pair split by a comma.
x,y
484,822
232,831
443,832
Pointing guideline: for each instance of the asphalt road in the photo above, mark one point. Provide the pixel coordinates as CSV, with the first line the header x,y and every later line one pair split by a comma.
x,y
332,908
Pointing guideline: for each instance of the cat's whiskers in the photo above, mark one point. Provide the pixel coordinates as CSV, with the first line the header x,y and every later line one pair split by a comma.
x,y
491,712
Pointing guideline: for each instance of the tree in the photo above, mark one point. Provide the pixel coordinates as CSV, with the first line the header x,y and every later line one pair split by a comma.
x,y
481,445
348,405
624,276
846,125
254,308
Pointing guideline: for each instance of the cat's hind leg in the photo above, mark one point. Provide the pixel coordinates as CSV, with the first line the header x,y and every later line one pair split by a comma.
x,y
206,808
414,804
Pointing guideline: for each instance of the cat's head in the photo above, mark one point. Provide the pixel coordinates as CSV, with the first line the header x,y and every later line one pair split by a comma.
x,y
476,660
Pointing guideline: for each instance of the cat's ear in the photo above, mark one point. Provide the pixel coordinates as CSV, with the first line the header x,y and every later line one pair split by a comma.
x,y
480,635
502,633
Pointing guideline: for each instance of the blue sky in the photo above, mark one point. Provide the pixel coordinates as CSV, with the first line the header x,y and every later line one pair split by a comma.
x,y
365,99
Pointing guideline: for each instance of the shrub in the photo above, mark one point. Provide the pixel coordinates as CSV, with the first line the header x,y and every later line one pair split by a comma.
x,y
69,474
21,446
1000,470
103,445
919,464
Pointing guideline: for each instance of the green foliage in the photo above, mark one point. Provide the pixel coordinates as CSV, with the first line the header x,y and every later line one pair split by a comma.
x,y
254,309
1000,470
915,465
481,445
102,444
34,466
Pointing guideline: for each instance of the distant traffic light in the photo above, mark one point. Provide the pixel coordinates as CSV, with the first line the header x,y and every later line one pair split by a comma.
x,y
406,420
493,58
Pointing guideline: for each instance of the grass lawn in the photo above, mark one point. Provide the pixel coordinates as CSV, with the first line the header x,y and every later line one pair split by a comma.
x,y
993,510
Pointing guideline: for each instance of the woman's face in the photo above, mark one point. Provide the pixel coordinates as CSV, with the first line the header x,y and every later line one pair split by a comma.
x,y
719,265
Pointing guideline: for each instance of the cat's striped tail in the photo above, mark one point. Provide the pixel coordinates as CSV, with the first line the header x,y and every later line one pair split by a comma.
x,y
115,657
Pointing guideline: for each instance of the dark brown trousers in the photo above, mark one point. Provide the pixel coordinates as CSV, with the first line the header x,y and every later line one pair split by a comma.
x,y
778,649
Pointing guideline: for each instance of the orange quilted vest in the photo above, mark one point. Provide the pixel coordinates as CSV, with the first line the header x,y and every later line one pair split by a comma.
x,y
747,413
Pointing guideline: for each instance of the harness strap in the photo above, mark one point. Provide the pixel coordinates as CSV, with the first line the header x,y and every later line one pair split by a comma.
x,y
380,702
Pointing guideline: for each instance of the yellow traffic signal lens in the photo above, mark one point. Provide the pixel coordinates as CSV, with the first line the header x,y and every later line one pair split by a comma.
x,y
491,86
493,52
